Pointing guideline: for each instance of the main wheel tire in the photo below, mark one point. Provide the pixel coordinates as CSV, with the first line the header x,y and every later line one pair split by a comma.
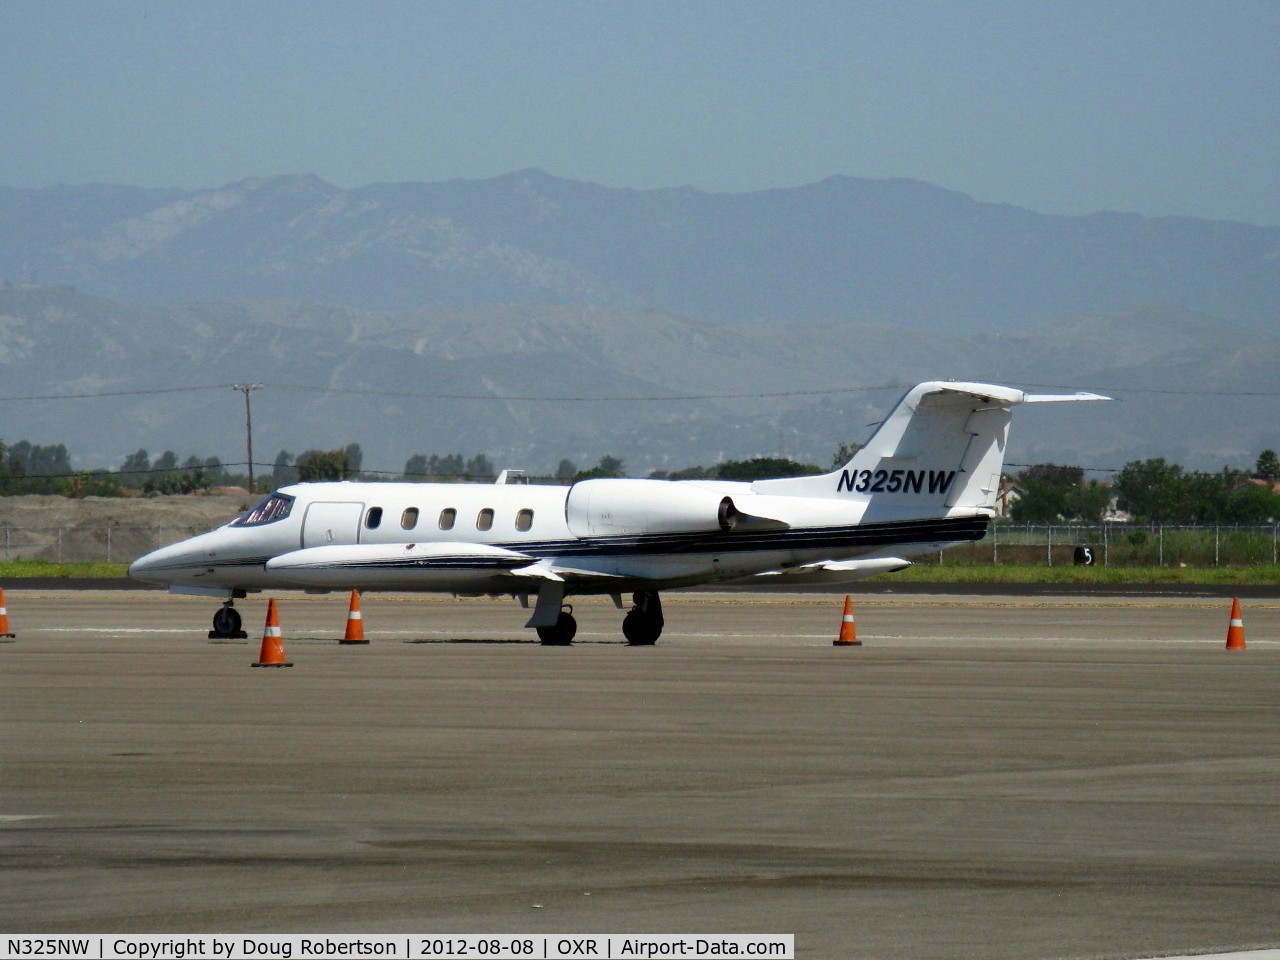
x,y
641,631
560,633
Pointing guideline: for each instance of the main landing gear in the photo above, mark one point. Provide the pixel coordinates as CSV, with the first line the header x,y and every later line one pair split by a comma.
x,y
641,626
560,633
643,623
226,623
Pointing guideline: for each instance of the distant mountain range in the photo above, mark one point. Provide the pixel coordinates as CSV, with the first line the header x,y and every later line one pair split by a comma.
x,y
844,250
529,384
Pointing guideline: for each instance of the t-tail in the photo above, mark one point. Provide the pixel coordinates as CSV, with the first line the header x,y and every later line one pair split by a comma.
x,y
940,450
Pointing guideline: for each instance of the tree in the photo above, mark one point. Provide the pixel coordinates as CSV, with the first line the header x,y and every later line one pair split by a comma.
x,y
693,473
844,453
174,482
1056,474
1087,501
18,453
136,468
355,458
283,472
314,465
1268,465
479,466
214,468
415,467
1038,503
764,468
450,465
609,466
1152,490
1252,503
1045,488
49,461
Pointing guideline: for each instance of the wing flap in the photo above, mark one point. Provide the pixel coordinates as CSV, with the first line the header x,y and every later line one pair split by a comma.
x,y
837,571
394,562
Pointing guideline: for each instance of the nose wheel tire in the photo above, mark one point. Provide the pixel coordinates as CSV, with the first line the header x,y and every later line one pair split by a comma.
x,y
227,624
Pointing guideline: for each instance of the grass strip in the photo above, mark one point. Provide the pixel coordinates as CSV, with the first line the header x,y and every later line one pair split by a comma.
x,y
945,572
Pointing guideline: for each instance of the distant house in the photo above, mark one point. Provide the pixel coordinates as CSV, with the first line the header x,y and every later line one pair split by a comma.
x,y
1269,483
1006,497
1010,493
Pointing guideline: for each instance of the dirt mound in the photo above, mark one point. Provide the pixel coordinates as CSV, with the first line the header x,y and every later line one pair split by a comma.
x,y
108,528
204,511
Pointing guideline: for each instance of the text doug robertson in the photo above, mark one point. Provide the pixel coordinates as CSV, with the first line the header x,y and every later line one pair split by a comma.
x,y
248,947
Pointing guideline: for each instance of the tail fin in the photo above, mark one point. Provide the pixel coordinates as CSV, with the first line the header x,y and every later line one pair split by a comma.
x,y
941,447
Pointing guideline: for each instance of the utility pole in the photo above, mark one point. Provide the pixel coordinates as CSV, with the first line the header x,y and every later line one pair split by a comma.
x,y
246,389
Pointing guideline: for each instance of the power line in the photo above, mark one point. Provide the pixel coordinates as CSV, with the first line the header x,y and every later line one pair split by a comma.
x,y
523,398
119,393
738,396
530,398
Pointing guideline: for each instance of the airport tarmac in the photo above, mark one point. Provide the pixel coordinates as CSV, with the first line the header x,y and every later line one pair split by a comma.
x,y
985,777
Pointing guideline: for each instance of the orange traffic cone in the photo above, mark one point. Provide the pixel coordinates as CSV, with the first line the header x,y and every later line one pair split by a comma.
x,y
1235,631
848,636
272,654
355,621
4,620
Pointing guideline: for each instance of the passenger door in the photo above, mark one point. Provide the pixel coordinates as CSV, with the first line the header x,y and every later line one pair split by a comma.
x,y
327,523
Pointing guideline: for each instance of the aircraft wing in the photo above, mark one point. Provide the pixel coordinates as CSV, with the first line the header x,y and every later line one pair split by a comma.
x,y
449,565
831,571
549,570
376,562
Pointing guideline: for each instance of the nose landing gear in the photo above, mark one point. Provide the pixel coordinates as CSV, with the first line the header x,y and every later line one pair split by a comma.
x,y
226,623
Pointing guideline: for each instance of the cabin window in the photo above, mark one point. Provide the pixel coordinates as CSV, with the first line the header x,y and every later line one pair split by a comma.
x,y
484,520
273,508
409,519
373,519
447,516
524,520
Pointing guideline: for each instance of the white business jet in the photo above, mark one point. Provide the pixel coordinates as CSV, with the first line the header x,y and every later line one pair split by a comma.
x,y
927,479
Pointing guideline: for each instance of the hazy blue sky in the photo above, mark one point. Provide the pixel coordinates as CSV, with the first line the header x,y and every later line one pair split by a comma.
x,y
1168,107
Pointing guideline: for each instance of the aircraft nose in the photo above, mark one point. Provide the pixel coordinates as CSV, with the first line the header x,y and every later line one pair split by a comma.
x,y
178,560
147,566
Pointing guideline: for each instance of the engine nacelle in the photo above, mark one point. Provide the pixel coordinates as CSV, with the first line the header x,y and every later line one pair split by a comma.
x,y
608,508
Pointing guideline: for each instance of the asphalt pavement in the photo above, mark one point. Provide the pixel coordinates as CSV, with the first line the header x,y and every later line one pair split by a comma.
x,y
985,777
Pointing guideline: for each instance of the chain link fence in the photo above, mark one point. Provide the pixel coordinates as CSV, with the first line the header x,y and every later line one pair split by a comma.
x,y
1124,545
1108,544
87,543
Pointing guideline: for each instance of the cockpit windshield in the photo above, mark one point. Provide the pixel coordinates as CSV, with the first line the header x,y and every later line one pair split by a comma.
x,y
273,508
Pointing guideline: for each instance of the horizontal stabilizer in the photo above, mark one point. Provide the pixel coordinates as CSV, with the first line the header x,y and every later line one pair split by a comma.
x,y
1062,397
